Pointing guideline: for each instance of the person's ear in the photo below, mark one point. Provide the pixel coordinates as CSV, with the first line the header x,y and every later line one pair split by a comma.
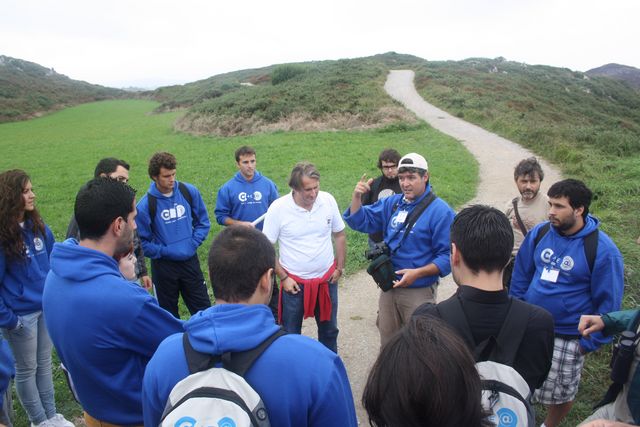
x,y
266,281
455,254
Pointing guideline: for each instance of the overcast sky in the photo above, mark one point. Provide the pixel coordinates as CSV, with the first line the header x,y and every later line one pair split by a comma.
x,y
150,43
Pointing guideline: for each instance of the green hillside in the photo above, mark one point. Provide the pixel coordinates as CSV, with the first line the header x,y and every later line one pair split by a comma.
x,y
343,94
28,90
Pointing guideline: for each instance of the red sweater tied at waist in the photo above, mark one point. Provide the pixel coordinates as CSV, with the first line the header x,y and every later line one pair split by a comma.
x,y
315,291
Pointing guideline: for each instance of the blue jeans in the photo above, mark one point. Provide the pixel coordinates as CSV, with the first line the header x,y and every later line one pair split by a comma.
x,y
293,311
31,347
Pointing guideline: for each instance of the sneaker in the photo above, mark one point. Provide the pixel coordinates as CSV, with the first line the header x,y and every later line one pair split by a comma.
x,y
59,421
45,423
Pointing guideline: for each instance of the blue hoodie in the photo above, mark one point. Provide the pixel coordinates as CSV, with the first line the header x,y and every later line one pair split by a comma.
x,y
244,200
300,381
22,280
428,241
175,235
105,330
576,291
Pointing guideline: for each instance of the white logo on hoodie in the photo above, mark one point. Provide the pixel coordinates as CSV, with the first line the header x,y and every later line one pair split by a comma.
x,y
177,211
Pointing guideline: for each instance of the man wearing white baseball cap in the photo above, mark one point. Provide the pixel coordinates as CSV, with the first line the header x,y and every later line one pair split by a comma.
x,y
415,227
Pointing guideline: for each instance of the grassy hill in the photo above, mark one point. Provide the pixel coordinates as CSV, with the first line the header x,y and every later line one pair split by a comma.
x,y
628,74
28,90
343,94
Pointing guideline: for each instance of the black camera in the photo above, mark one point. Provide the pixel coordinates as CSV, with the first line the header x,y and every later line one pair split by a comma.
x,y
377,250
622,357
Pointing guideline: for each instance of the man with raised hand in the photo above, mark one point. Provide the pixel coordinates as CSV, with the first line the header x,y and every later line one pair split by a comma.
x,y
569,267
419,256
246,196
300,381
481,242
528,209
304,223
117,169
105,328
383,186
172,224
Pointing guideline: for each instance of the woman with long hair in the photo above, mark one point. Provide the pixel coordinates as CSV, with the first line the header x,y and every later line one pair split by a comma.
x,y
424,377
25,245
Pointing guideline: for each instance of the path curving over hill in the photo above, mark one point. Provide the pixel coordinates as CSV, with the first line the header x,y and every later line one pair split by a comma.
x,y
358,342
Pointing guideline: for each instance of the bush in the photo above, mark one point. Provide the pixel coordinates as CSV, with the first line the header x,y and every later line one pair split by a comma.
x,y
285,72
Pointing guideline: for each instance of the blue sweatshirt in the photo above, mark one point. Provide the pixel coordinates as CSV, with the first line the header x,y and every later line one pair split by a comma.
x,y
301,382
428,241
174,235
244,200
576,290
105,330
22,280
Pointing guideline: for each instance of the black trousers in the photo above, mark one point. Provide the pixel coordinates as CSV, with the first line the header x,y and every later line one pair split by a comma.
x,y
174,278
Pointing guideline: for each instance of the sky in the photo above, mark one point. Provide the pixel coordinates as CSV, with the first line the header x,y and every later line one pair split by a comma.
x,y
151,43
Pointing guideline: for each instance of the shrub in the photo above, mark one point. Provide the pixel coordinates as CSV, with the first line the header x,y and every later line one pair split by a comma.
x,y
285,72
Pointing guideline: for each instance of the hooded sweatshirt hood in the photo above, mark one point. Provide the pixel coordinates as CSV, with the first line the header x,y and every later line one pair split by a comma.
x,y
71,261
257,176
230,328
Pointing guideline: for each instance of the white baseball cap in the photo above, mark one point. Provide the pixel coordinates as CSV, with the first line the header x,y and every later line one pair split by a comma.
x,y
413,160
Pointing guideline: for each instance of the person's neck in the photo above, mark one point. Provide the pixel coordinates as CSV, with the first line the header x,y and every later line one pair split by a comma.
x,y
484,281
98,245
298,200
578,226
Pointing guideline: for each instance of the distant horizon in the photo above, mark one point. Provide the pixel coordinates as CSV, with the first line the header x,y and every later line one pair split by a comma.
x,y
141,87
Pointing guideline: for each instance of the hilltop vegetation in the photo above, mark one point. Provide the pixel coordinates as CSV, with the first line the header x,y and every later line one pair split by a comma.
x,y
628,74
28,90
343,94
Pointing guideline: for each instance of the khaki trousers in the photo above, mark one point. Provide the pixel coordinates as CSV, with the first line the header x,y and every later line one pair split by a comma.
x,y
396,306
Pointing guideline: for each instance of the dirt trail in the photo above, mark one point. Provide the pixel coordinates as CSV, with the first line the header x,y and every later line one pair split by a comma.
x,y
358,341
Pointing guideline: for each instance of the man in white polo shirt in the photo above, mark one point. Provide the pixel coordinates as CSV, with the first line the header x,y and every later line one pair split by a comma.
x,y
303,224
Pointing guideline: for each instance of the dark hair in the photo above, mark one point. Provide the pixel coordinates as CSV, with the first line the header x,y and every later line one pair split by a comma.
x,y
529,167
388,155
109,165
161,160
12,184
484,237
238,257
574,190
424,376
98,203
302,169
245,150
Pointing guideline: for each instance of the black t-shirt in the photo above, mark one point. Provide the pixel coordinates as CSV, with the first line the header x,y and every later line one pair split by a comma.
x,y
486,311
381,188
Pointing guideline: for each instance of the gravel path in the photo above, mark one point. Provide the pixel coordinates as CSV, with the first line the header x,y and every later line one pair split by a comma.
x,y
359,340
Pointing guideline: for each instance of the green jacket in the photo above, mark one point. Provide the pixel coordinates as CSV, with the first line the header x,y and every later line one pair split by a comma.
x,y
614,323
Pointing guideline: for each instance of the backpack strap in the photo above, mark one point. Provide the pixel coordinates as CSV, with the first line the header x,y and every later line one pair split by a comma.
x,y
590,244
153,201
452,312
523,228
238,363
512,332
541,232
413,217
501,349
591,248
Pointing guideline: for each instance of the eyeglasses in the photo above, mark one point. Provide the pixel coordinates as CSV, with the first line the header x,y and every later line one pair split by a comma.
x,y
389,167
122,179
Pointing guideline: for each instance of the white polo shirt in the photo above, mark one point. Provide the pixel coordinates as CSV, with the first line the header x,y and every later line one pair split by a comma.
x,y
304,237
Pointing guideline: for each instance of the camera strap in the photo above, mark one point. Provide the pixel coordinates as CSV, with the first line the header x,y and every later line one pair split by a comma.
x,y
412,218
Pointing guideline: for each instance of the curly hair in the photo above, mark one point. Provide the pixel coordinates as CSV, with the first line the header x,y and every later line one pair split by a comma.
x,y
12,184
160,160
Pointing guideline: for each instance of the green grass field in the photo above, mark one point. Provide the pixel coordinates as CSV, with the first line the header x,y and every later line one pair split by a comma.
x,y
60,151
